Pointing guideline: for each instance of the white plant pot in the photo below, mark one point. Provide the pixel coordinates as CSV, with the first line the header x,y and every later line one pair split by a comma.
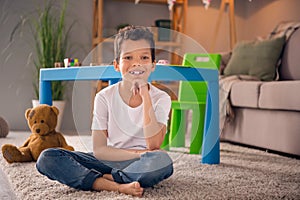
x,y
58,104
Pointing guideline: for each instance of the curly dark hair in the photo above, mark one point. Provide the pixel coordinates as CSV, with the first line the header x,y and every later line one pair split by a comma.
x,y
133,33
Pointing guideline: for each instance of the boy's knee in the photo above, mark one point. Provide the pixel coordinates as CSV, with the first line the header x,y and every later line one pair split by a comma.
x,y
152,178
158,159
46,157
163,169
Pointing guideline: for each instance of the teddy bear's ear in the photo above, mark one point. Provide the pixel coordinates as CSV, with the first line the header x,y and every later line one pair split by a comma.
x,y
27,112
55,110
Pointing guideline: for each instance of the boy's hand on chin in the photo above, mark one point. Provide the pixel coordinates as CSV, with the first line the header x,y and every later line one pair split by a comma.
x,y
139,86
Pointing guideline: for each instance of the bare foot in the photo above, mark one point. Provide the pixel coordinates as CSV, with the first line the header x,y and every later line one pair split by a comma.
x,y
133,189
108,177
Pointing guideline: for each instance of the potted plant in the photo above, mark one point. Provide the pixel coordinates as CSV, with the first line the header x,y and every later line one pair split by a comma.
x,y
50,44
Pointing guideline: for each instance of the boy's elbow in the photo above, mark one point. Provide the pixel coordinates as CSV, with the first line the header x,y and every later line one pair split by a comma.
x,y
154,143
153,146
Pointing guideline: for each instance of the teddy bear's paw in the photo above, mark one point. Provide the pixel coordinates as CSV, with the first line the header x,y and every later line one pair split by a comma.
x,y
7,150
11,153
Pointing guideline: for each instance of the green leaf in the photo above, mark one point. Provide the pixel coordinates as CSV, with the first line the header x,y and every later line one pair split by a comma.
x,y
50,42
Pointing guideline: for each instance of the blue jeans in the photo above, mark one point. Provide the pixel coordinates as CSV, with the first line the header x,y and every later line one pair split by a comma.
x,y
79,170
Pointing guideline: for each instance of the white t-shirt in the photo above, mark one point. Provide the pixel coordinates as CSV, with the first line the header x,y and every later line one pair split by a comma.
x,y
123,123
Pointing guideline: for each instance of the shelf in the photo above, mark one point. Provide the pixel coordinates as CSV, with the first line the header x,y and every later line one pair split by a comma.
x,y
178,16
154,1
157,43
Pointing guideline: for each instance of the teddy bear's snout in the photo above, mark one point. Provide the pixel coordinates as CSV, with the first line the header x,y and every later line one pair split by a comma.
x,y
40,129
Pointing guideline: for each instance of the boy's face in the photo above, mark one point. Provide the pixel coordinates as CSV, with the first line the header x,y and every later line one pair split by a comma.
x,y
135,60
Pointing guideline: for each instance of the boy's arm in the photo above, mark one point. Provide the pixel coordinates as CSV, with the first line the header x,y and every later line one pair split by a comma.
x,y
103,152
154,131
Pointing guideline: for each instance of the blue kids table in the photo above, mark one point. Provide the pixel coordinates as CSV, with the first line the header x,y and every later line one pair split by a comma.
x,y
211,141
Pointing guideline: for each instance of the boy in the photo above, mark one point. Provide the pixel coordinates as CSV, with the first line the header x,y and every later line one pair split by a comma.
x,y
129,125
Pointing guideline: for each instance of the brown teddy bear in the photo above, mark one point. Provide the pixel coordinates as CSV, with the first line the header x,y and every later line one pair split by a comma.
x,y
42,121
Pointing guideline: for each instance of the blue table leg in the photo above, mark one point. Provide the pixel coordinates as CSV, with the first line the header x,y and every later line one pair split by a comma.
x,y
45,92
211,140
113,81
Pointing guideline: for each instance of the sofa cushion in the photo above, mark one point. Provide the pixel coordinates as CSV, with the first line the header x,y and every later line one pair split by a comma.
x,y
256,58
245,94
280,95
290,67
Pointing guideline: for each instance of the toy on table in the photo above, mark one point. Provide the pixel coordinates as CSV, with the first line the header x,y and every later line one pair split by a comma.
x,y
71,62
163,62
42,121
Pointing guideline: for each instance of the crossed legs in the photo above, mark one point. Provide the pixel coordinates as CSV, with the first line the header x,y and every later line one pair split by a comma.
x,y
83,171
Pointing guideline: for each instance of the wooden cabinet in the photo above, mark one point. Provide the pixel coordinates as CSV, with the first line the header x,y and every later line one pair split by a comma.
x,y
177,15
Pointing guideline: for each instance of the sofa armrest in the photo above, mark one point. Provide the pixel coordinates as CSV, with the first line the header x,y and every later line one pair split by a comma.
x,y
225,57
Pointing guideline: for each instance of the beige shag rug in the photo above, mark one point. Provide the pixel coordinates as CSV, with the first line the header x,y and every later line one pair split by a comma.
x,y
244,173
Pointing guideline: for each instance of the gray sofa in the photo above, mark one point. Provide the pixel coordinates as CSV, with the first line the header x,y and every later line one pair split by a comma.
x,y
267,113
